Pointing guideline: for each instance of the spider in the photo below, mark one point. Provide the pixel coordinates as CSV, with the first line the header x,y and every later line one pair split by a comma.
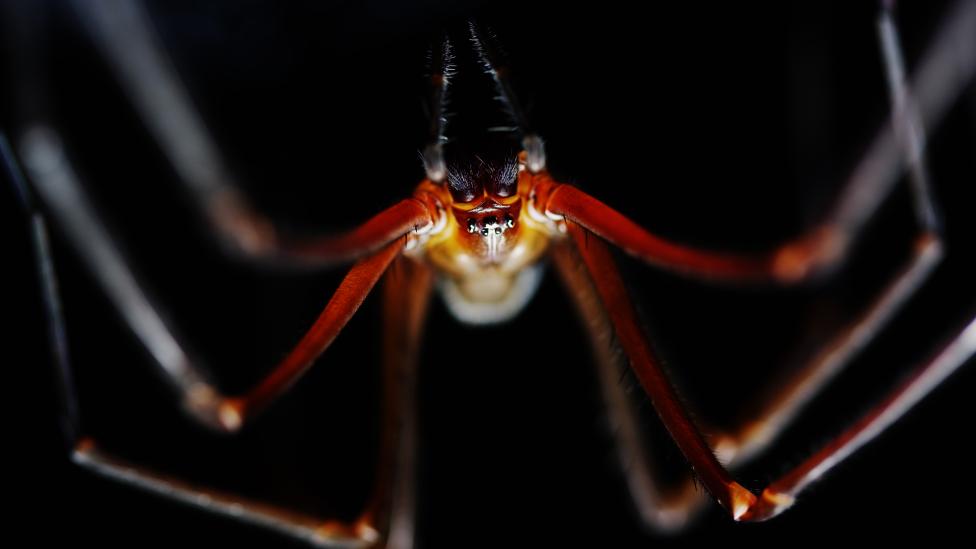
x,y
564,218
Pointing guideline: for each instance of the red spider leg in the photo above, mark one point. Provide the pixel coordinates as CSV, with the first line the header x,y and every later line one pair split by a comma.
x,y
407,216
620,310
738,501
229,413
664,510
406,291
673,509
942,74
406,295
63,194
122,32
86,453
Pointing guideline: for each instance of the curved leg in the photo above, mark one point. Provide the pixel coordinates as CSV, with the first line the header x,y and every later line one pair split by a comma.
x,y
942,74
388,515
406,294
738,501
672,510
663,510
126,38
62,192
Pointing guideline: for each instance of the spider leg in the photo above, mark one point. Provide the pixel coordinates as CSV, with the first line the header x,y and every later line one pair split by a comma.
x,y
123,33
779,410
285,521
943,73
406,292
671,511
780,495
662,510
62,193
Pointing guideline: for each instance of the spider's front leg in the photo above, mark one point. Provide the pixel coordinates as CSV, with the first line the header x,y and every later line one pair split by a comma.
x,y
899,145
57,184
780,495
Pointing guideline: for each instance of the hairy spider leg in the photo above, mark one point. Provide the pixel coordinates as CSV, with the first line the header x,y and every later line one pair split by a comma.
x,y
779,495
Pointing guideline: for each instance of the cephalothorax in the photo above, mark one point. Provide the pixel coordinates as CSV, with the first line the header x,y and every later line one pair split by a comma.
x,y
478,228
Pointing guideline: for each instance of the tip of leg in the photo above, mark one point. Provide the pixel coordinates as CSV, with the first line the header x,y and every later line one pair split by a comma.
x,y
213,410
82,451
742,500
809,256
335,530
230,413
776,502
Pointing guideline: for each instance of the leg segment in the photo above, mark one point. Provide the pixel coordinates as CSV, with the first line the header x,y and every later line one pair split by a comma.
x,y
124,35
293,524
646,366
779,411
780,494
738,501
663,510
405,296
230,413
62,192
943,73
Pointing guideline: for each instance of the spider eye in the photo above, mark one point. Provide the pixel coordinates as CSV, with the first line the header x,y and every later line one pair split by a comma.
x,y
509,222
484,232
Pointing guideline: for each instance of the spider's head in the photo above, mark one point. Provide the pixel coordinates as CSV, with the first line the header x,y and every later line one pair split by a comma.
x,y
486,202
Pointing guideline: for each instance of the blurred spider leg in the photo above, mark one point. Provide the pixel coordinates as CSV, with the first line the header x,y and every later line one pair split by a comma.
x,y
285,521
663,510
781,408
645,364
672,510
406,294
123,33
59,188
85,452
780,495
491,60
943,73
70,423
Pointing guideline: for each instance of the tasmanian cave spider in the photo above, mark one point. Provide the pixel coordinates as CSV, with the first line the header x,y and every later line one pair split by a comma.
x,y
476,230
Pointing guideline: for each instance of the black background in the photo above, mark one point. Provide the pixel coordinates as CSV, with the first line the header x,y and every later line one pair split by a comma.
x,y
730,128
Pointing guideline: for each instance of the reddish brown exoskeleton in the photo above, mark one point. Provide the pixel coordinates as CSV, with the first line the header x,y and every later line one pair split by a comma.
x,y
477,229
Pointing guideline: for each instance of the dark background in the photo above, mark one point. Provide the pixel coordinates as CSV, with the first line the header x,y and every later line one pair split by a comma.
x,y
730,128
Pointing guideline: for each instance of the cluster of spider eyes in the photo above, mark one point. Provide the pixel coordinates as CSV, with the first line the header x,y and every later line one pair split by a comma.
x,y
490,225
